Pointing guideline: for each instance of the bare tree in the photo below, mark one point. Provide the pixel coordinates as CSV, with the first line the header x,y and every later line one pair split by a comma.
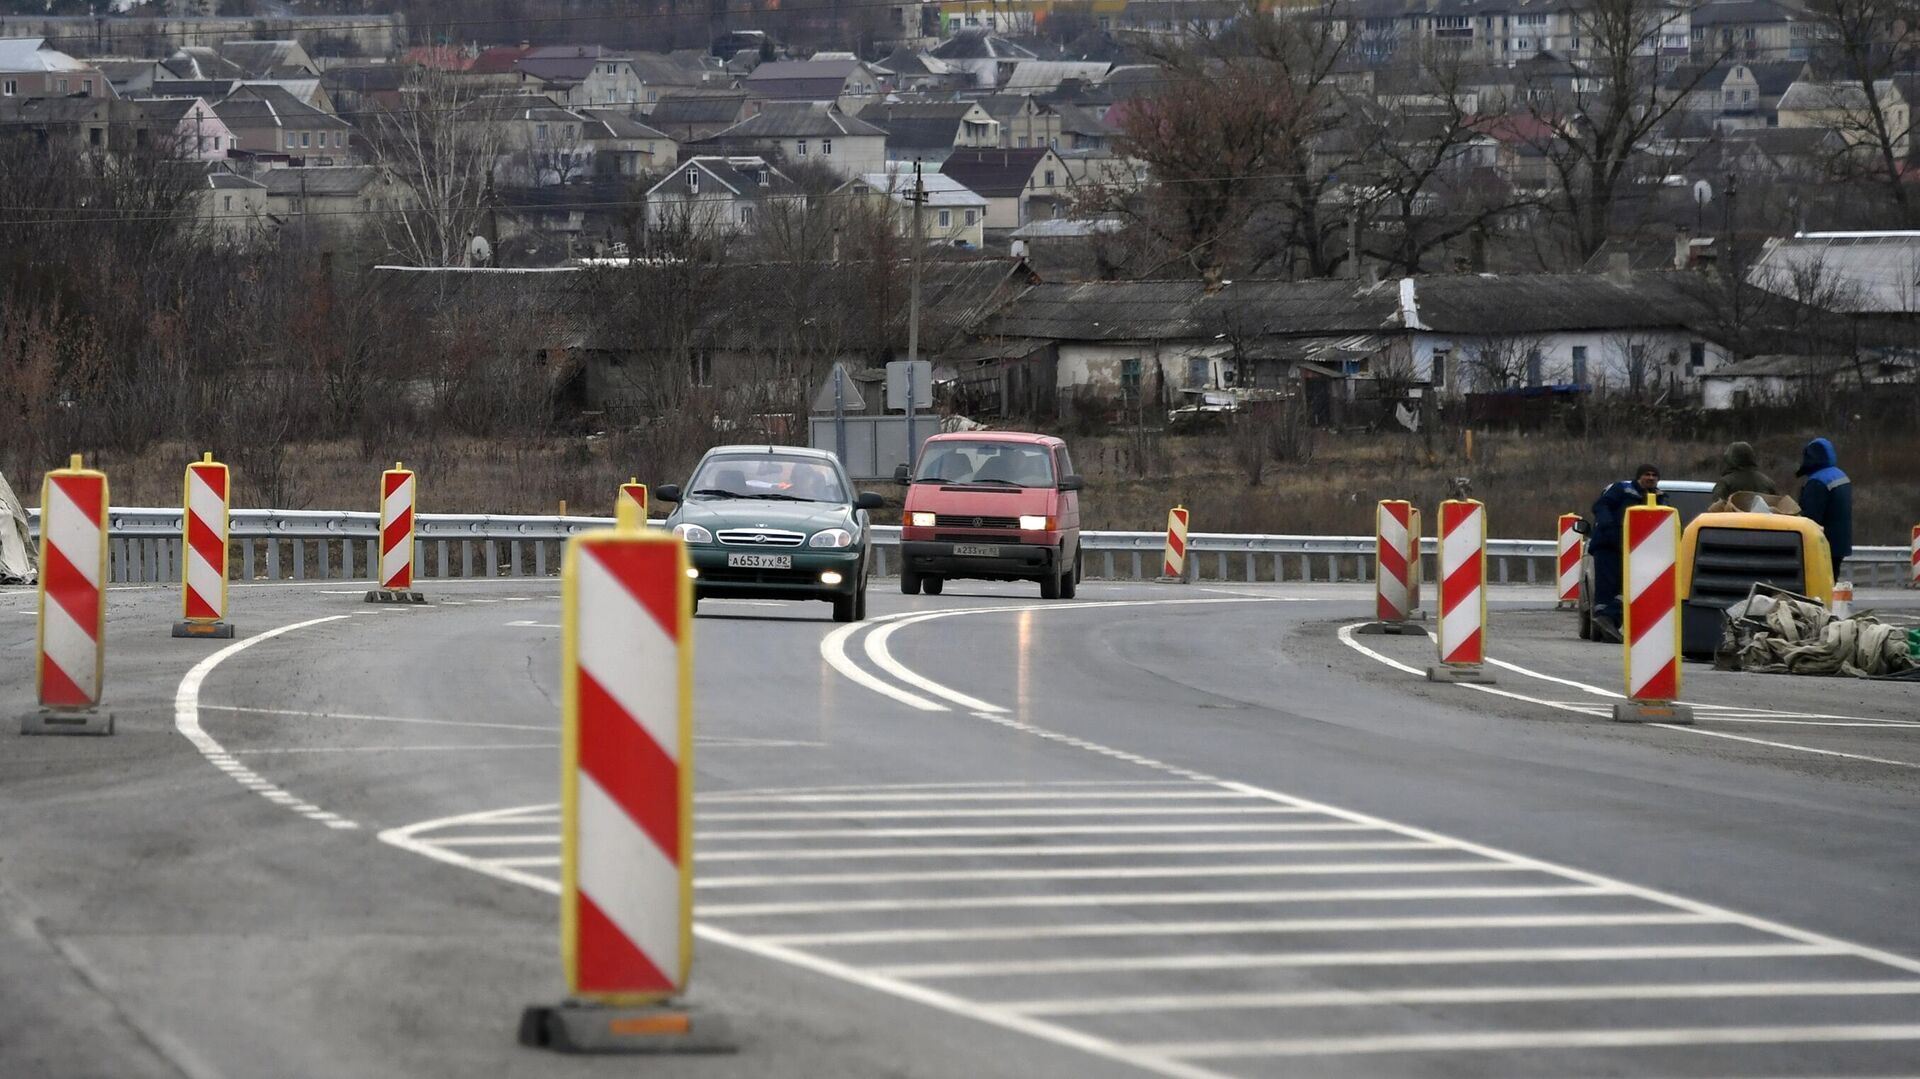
x,y
444,143
1866,46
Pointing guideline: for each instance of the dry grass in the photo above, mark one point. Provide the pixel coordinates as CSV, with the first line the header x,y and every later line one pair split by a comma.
x,y
1526,480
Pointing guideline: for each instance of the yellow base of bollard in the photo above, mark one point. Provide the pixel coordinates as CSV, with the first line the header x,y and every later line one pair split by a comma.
x,y
582,1027
222,631
1653,712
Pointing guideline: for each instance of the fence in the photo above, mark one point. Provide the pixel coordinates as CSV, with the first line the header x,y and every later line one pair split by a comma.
x,y
304,545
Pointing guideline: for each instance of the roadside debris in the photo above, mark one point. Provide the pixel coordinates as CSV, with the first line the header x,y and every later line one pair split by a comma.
x,y
1782,633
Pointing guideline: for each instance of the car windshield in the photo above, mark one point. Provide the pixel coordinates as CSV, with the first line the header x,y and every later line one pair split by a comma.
x,y
1000,464
768,476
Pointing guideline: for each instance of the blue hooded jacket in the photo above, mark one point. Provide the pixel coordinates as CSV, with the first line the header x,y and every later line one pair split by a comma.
x,y
1610,514
1827,497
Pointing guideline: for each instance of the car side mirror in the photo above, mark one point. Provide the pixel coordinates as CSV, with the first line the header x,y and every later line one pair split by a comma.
x,y
868,501
667,492
902,475
1072,483
1581,526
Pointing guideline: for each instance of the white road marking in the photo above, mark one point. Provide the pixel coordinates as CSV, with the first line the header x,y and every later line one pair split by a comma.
x,y
1136,929
1146,872
877,652
762,793
1401,957
276,750
1144,899
530,624
186,720
1011,796
363,718
1496,1041
788,855
1345,634
1033,811
1476,994
1048,830
406,839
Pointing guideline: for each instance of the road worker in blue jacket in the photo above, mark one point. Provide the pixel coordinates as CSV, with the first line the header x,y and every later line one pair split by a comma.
x,y
1826,498
1604,543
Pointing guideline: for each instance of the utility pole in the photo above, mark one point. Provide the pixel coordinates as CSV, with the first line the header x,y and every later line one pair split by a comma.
x,y
919,197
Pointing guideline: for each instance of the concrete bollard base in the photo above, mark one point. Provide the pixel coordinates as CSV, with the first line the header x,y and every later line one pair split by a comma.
x,y
1477,676
581,1027
1652,712
61,721
393,595
1395,629
214,630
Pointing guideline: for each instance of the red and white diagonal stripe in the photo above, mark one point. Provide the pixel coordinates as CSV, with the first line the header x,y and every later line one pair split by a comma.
x,y
1913,552
1572,550
628,818
396,529
1463,572
1393,554
1174,562
1652,629
635,493
72,615
206,528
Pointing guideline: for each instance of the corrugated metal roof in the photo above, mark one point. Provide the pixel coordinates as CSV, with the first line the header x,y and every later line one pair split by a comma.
x,y
1856,272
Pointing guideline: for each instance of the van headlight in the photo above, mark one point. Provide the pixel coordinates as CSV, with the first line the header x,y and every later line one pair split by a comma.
x,y
693,533
921,519
1031,523
832,537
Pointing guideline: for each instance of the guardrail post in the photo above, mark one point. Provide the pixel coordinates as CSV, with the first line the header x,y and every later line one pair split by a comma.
x,y
1463,593
204,551
626,783
1650,616
70,645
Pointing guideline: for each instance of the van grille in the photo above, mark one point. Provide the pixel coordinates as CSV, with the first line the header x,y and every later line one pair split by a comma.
x,y
962,520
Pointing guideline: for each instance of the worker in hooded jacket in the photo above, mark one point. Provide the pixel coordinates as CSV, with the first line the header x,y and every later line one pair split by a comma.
x,y
1740,471
1826,498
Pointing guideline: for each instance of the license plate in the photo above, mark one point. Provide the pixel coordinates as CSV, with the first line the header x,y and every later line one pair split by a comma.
x,y
976,550
760,561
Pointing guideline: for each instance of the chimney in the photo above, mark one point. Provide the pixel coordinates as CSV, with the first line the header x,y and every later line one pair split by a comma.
x,y
1682,248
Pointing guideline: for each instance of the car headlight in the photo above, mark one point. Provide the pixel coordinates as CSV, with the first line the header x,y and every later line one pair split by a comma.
x,y
832,537
1031,523
920,519
693,533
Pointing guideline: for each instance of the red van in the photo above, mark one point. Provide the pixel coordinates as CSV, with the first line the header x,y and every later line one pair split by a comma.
x,y
992,506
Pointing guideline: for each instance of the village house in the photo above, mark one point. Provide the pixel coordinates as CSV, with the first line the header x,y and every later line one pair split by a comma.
x,y
267,120
623,146
952,215
536,143
907,71
1843,107
581,75
29,67
981,59
930,130
1019,185
798,132
337,198
1024,120
190,126
719,195
233,208
80,125
851,84
689,115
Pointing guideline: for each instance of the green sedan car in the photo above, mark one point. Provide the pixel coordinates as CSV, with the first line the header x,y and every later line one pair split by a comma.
x,y
775,522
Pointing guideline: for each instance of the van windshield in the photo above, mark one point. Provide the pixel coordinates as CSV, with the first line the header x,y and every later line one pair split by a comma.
x,y
997,464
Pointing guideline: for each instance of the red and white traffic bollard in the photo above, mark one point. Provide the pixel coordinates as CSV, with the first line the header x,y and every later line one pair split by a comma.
x,y
1463,593
1913,556
70,660
1173,560
1650,624
395,568
1572,549
626,901
635,492
1396,567
203,562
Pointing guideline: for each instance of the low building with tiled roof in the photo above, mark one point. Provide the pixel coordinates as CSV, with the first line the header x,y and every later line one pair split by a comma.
x,y
930,130
726,195
1015,182
798,132
851,84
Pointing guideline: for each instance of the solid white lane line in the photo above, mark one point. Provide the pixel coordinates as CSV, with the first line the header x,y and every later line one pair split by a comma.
x,y
1194,829
1034,811
530,862
1401,957
1251,925
275,751
357,717
1214,795
186,718
542,840
1478,865
789,854
1500,1041
406,838
1523,994
1788,745
1119,785
1142,899
833,649
876,648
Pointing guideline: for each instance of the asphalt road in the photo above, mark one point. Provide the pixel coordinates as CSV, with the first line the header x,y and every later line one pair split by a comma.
x,y
1157,830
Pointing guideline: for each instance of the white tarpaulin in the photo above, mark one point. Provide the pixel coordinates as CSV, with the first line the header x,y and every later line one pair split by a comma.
x,y
16,547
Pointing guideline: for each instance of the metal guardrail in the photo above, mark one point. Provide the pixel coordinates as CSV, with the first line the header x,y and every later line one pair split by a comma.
x,y
306,545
